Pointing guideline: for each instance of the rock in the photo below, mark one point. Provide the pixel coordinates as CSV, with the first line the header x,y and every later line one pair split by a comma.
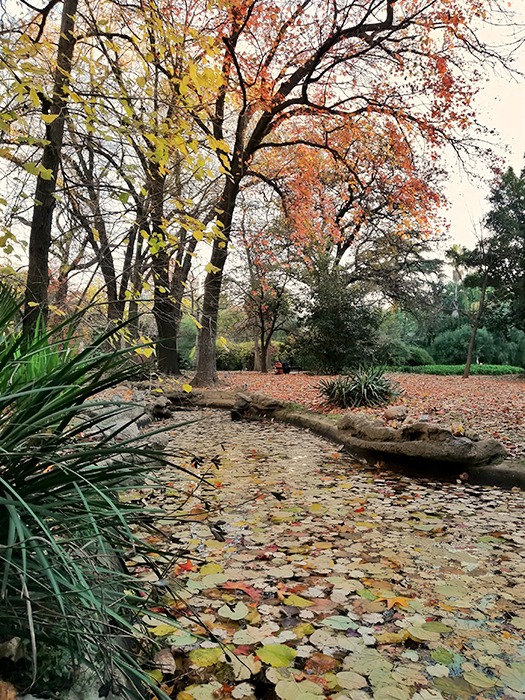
x,y
396,413
421,442
426,431
242,401
160,407
362,426
265,404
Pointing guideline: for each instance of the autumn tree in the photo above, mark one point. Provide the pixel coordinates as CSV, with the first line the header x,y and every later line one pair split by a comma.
x,y
399,66
261,272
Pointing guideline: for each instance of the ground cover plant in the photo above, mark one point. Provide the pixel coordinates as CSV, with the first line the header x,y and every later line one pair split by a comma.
x,y
65,598
362,387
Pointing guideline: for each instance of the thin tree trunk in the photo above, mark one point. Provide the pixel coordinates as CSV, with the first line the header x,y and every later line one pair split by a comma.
x,y
475,327
163,305
36,298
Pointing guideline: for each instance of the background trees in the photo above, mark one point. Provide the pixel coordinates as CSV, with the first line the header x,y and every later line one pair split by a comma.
x,y
327,117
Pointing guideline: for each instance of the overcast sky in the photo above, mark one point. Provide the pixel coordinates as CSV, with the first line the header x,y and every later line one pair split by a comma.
x,y
500,106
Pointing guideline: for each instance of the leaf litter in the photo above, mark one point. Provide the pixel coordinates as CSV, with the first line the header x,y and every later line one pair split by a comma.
x,y
354,583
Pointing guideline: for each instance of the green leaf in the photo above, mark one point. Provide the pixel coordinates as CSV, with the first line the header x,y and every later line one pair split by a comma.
x,y
278,655
455,687
292,690
442,656
438,627
514,677
339,622
205,657
478,679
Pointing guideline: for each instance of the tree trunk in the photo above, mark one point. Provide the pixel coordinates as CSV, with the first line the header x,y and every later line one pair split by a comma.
x,y
163,306
206,370
36,300
475,327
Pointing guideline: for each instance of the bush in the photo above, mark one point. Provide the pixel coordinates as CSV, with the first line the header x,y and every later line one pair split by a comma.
x,y
63,529
418,356
234,356
459,369
365,387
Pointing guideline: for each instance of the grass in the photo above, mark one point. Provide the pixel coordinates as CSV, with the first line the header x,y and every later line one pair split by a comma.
x,y
491,370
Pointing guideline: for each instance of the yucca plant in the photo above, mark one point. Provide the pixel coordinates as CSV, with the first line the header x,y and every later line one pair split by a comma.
x,y
366,386
63,529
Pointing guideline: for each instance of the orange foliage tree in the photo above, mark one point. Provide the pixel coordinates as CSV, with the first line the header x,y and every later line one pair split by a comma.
x,y
402,70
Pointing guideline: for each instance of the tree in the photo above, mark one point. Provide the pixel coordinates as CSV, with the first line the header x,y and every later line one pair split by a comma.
x,y
262,277
54,114
332,64
339,328
506,222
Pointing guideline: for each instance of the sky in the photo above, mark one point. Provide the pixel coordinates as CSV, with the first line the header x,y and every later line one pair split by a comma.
x,y
500,106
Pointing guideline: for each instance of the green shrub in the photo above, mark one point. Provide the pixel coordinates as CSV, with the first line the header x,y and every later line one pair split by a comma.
x,y
63,528
458,369
418,356
364,387
233,356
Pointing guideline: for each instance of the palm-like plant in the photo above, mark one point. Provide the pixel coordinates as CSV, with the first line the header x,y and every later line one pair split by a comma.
x,y
62,526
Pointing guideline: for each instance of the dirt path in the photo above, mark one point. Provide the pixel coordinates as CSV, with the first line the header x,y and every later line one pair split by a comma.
x,y
333,580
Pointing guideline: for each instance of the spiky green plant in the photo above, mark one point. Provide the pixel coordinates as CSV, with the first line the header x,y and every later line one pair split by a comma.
x,y
63,528
366,386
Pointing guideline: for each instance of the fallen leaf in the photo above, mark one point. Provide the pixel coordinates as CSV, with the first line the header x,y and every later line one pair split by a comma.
x,y
278,655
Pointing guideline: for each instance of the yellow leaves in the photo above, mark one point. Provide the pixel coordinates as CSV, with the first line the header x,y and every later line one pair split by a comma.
x,y
392,637
297,601
33,96
211,268
38,170
188,389
48,118
163,630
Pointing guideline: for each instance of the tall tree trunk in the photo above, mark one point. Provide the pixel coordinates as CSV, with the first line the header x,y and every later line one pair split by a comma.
x,y
36,300
475,327
206,370
163,305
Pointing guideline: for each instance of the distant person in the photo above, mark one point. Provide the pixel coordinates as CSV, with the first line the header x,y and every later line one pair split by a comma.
x,y
286,367
278,367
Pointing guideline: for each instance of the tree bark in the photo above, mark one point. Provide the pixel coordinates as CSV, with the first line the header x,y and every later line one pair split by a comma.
x,y
36,294
475,327
206,370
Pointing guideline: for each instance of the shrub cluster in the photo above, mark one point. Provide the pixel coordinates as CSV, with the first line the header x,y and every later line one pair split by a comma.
x,y
363,387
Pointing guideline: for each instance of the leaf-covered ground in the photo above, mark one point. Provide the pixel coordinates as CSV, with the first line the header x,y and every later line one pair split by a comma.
x,y
331,580
492,406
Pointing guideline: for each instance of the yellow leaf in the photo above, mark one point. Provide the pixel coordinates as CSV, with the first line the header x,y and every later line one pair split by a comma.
x,y
163,630
33,96
48,118
146,352
297,601
211,268
205,657
187,388
156,674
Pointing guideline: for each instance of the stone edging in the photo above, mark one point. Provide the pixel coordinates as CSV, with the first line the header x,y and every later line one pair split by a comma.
x,y
506,474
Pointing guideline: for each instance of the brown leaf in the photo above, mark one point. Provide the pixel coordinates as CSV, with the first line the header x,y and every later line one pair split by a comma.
x,y
321,663
7,691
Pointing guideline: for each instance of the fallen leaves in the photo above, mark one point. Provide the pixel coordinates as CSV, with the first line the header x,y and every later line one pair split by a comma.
x,y
417,600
